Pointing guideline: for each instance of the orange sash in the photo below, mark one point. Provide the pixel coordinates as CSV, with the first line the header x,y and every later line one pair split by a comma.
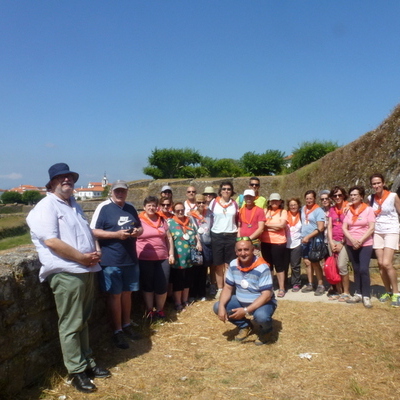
x,y
218,200
255,264
357,212
339,211
242,214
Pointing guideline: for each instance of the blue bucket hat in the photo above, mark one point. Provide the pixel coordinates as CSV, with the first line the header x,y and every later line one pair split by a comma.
x,y
61,169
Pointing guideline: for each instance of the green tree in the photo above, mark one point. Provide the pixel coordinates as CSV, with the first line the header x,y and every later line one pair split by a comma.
x,y
31,197
106,191
11,197
173,163
269,163
308,152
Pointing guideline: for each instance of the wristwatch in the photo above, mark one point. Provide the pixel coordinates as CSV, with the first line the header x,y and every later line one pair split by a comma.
x,y
248,315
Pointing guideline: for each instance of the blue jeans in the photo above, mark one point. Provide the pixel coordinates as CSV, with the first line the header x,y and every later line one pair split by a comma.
x,y
262,316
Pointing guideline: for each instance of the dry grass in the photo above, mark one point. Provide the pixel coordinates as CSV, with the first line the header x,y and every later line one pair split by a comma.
x,y
355,355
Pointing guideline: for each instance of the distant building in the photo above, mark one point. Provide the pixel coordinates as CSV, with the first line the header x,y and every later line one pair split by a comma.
x,y
94,190
23,188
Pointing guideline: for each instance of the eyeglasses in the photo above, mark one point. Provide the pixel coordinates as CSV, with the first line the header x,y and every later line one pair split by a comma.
x,y
227,189
337,195
201,202
190,191
165,205
238,239
324,198
254,184
179,210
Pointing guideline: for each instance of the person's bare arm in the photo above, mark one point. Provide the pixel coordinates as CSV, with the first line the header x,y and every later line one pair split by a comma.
x,y
68,252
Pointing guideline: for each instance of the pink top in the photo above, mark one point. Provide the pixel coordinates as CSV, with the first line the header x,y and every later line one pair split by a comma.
x,y
358,228
249,227
152,243
337,222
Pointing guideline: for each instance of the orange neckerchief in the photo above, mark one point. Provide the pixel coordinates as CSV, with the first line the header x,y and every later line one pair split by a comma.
x,y
218,200
308,211
167,215
272,215
242,214
255,264
339,211
357,212
197,215
183,223
293,219
143,215
380,201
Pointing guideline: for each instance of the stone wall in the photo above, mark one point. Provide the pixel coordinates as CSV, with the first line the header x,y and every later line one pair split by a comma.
x,y
29,342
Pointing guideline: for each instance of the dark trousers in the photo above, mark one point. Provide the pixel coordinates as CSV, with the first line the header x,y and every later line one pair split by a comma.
x,y
360,259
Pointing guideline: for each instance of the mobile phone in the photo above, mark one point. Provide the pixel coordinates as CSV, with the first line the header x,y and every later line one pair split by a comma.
x,y
130,230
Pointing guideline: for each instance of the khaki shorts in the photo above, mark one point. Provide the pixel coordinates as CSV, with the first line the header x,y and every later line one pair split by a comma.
x,y
342,260
382,240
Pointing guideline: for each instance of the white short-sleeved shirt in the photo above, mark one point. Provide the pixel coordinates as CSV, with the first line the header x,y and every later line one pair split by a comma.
x,y
224,218
53,218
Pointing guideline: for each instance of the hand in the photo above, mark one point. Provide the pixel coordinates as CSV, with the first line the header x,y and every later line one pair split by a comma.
x,y
123,234
222,315
238,313
199,246
90,259
305,240
171,259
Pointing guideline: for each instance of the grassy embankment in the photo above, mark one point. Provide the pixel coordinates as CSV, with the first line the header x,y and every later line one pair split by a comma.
x,y
13,232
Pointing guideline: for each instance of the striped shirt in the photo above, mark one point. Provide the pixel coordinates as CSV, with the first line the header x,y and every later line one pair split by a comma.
x,y
257,280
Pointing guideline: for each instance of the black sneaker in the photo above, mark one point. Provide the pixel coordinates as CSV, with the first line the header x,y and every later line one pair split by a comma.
x,y
98,372
120,341
131,334
82,383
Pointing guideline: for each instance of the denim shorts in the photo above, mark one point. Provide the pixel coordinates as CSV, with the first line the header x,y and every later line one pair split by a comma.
x,y
115,280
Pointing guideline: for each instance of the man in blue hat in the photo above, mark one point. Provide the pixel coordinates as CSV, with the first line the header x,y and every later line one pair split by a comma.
x,y
68,255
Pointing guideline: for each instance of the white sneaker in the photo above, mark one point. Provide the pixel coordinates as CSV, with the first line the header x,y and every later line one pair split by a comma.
x,y
367,302
218,294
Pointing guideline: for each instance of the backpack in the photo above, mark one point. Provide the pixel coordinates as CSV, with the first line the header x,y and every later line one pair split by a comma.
x,y
318,249
331,270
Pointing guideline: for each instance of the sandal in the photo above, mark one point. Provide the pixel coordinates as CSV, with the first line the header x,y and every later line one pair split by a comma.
x,y
344,297
281,293
333,296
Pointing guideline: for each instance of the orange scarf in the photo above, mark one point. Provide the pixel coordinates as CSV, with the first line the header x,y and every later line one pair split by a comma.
x,y
272,215
191,205
308,211
197,215
157,224
218,200
167,215
242,214
339,211
293,219
380,201
184,223
357,212
255,264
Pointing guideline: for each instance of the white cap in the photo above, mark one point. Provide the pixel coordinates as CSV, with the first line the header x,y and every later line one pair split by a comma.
x,y
166,187
274,196
249,192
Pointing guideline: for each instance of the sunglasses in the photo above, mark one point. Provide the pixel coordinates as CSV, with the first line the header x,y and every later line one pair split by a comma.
x,y
201,202
324,198
238,239
254,184
180,210
337,195
190,191
165,205
227,189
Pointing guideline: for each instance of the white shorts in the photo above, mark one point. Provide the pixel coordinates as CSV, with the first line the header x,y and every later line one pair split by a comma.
x,y
382,240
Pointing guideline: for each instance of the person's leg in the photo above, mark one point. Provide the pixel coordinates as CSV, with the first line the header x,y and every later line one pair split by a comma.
x,y
147,276
115,310
355,261
382,270
126,307
188,275
263,316
218,256
295,264
231,305
365,258
342,262
387,270
161,279
278,260
73,294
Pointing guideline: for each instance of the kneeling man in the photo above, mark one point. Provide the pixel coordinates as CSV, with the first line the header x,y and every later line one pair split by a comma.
x,y
252,279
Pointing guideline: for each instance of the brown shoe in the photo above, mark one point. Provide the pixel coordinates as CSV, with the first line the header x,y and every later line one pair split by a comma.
x,y
243,334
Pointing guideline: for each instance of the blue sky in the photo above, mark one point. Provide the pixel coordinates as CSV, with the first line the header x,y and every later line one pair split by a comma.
x,y
100,84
